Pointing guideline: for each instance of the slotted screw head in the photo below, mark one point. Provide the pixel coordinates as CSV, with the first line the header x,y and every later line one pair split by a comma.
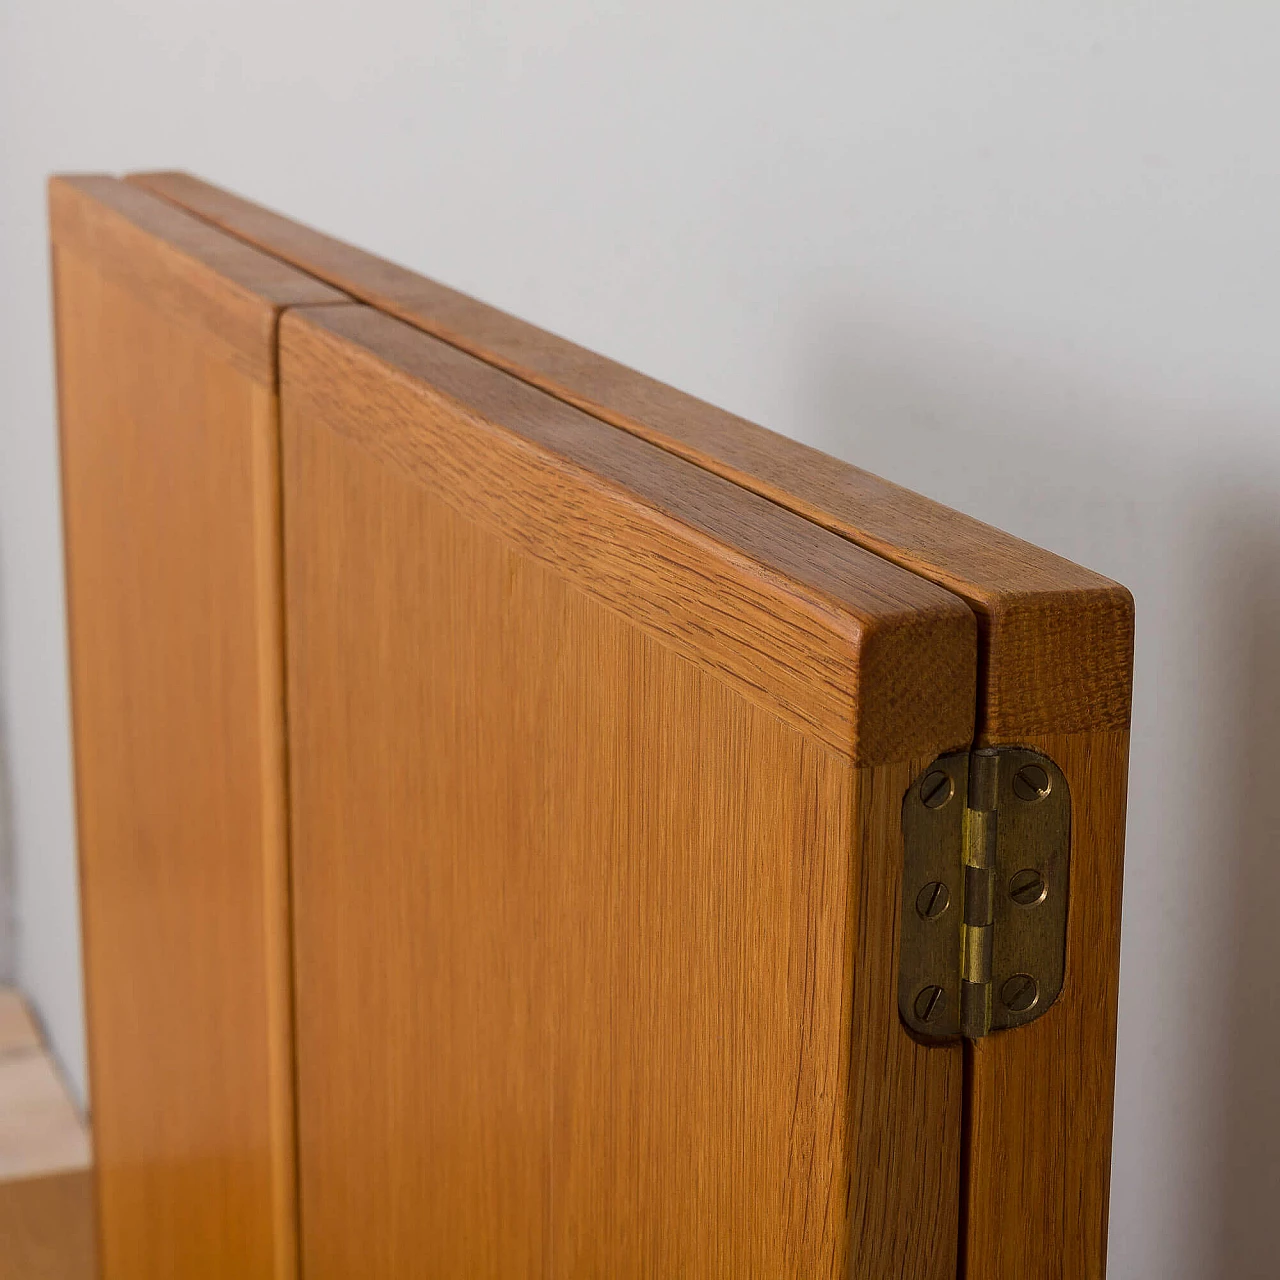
x,y
936,789
930,1003
1027,887
932,900
1031,783
1019,993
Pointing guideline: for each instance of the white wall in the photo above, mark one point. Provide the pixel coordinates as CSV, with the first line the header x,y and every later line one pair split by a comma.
x,y
1022,257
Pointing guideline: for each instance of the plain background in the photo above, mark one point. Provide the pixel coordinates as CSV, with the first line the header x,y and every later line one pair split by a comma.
x,y
1021,257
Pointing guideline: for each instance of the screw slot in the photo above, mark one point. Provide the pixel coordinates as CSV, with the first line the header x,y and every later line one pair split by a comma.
x,y
1020,993
930,1003
1028,888
936,789
932,900
1031,783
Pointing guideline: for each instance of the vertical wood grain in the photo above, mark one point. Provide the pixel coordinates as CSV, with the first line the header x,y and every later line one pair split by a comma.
x,y
1040,1098
1056,646
916,1089
592,948
170,474
169,417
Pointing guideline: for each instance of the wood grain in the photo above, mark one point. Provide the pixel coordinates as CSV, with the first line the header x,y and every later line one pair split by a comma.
x,y
829,638
169,423
197,276
47,1228
1040,1100
1057,649
1055,660
592,931
1055,663
913,1091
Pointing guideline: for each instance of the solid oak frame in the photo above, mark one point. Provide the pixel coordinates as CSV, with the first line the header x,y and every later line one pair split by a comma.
x,y
1055,674
1055,655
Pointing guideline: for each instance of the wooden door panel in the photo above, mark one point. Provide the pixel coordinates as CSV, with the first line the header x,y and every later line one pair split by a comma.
x,y
674,597
167,396
595,902
1055,673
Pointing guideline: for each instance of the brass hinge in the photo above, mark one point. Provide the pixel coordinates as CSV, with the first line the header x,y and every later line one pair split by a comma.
x,y
987,838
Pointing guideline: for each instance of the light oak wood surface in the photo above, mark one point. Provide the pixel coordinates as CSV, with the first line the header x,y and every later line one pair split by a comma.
x,y
1040,1100
1055,654
1055,665
213,283
595,901
871,660
1057,639
169,425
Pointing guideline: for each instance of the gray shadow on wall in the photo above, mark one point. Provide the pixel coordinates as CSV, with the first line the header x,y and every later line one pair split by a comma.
x,y
1242,593
8,902
1067,461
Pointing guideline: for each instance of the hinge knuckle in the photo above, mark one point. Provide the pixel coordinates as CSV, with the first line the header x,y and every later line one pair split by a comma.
x,y
979,891
986,838
984,776
977,954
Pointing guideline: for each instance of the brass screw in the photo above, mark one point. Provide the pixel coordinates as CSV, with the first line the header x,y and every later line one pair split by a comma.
x,y
1031,783
936,789
1020,993
929,1003
1027,888
932,900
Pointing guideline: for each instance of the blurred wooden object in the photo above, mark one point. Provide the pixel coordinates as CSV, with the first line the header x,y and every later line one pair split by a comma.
x,y
46,1188
47,1228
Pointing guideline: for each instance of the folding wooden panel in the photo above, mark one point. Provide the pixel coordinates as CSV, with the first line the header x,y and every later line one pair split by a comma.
x,y
1055,660
597,764
167,390
500,607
